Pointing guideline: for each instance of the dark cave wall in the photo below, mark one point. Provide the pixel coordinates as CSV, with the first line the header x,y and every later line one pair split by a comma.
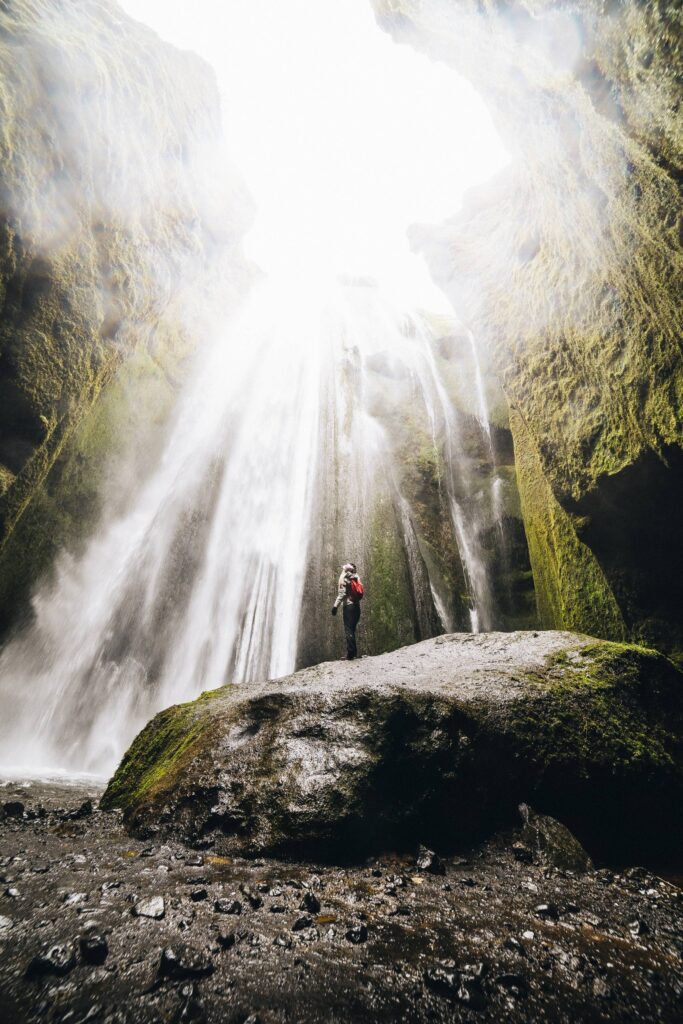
x,y
568,268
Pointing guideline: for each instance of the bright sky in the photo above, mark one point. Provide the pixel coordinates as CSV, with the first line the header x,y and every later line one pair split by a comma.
x,y
344,138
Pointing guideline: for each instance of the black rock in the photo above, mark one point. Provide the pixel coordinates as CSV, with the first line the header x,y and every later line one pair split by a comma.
x,y
357,935
277,908
302,922
197,895
224,906
192,1009
13,809
470,992
516,984
463,986
226,939
253,899
57,960
638,927
551,843
522,853
604,876
94,948
427,860
182,962
547,910
311,903
515,946
445,980
84,811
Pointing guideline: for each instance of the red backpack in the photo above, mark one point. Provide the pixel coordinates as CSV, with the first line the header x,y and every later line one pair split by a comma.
x,y
356,590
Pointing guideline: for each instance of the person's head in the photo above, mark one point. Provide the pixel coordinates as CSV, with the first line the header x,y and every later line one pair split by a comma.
x,y
348,567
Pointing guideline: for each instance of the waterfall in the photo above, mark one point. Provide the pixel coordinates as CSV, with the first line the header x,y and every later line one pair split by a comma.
x,y
293,429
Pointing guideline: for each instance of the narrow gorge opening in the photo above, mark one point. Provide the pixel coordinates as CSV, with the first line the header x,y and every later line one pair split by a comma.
x,y
277,293
340,410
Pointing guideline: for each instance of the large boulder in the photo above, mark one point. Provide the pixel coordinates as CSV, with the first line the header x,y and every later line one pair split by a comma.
x,y
436,742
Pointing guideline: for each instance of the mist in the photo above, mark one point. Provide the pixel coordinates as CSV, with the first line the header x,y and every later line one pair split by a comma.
x,y
343,138
342,141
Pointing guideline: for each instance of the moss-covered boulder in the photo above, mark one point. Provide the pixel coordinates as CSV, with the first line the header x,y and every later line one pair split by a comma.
x,y
437,742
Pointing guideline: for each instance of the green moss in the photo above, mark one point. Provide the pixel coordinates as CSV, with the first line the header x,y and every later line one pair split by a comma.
x,y
422,465
160,752
567,268
571,589
600,695
123,426
390,619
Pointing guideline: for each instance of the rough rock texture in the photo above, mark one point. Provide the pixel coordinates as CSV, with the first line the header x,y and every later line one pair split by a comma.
x,y
111,233
568,268
441,740
275,942
392,513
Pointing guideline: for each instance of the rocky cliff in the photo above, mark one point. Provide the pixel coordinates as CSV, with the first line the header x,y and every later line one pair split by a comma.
x,y
568,268
112,239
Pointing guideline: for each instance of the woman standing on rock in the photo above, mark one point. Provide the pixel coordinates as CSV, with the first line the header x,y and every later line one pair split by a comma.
x,y
349,595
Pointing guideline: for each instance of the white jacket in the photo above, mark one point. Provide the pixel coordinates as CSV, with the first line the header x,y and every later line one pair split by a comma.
x,y
344,581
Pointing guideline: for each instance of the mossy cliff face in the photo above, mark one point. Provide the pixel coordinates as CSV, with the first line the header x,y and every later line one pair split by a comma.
x,y
109,249
568,267
439,740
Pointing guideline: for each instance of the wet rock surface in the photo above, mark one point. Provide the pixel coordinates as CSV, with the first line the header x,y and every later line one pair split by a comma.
x,y
490,939
438,742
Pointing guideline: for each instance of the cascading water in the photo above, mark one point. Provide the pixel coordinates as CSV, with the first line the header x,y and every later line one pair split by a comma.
x,y
198,582
201,581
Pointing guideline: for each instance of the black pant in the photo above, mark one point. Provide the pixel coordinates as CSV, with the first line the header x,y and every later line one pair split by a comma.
x,y
351,617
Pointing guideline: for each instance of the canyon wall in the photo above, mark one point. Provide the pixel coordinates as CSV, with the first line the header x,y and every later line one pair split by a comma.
x,y
120,223
567,266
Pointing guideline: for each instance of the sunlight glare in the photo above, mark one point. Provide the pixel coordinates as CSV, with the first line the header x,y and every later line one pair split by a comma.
x,y
344,138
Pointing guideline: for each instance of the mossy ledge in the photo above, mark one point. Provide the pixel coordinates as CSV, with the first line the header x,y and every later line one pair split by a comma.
x,y
438,741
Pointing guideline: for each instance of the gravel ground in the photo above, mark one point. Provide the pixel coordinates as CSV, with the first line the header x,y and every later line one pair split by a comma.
x,y
96,926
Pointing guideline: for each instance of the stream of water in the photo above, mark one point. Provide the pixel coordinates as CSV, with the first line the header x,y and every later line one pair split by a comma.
x,y
200,582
